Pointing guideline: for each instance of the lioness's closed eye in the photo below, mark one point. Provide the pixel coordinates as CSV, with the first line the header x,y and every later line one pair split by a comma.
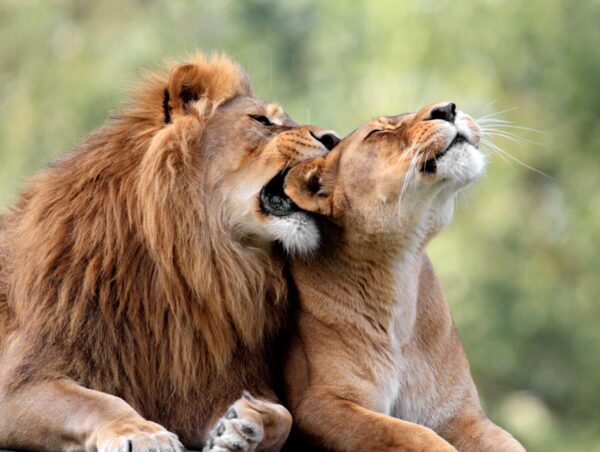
x,y
376,364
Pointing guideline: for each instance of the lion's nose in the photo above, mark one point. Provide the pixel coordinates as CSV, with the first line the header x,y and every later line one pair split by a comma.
x,y
446,112
327,138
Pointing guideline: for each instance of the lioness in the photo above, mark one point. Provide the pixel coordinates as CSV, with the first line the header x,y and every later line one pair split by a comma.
x,y
140,294
377,363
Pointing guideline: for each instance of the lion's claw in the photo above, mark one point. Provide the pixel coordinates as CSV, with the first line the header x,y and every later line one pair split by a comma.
x,y
136,435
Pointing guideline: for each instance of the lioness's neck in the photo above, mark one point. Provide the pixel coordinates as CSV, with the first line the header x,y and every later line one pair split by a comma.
x,y
375,277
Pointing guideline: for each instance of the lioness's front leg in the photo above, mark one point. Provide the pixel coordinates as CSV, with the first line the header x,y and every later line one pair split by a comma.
x,y
343,425
476,433
61,414
250,425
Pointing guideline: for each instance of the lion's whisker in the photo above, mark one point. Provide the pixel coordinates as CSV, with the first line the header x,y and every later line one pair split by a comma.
x,y
262,134
265,155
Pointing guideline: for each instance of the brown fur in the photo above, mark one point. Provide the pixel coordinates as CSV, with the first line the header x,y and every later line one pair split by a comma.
x,y
376,363
122,268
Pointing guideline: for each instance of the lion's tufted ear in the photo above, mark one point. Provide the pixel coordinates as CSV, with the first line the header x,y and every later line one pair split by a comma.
x,y
310,184
185,85
215,80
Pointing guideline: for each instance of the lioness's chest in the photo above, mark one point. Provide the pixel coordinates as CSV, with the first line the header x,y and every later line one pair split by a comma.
x,y
407,387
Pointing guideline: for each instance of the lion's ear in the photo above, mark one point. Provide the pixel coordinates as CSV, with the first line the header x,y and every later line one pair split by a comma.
x,y
185,86
215,80
310,185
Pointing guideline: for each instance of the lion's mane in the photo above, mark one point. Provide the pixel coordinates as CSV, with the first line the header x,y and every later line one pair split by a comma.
x,y
118,248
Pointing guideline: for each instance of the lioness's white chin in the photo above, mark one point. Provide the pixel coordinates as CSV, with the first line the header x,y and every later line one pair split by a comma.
x,y
297,232
461,165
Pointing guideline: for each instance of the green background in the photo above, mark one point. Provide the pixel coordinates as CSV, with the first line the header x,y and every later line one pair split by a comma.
x,y
521,261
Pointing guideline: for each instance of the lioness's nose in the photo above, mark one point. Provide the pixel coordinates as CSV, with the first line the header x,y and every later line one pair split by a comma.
x,y
446,112
327,138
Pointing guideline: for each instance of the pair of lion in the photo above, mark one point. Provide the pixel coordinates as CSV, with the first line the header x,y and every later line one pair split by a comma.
x,y
143,301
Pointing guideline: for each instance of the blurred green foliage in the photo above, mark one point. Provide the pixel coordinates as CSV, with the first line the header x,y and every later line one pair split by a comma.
x,y
520,263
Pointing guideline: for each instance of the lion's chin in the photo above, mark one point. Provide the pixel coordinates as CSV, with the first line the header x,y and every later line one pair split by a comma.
x,y
297,232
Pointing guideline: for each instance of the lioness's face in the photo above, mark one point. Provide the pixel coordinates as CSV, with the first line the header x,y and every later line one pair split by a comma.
x,y
394,174
251,145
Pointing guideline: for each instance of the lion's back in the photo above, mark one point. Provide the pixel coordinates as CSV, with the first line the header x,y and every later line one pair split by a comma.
x,y
4,312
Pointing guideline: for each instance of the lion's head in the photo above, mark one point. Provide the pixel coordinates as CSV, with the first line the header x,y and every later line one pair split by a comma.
x,y
236,148
394,175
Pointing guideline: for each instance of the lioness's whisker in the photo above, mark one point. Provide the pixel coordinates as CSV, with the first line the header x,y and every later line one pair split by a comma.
x,y
509,136
499,150
477,110
492,126
415,169
507,124
489,150
491,115
505,130
404,182
409,175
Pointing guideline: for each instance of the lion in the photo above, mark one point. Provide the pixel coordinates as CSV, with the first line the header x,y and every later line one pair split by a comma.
x,y
141,286
376,363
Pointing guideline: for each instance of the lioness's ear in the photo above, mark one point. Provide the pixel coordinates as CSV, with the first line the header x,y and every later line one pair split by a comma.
x,y
185,86
310,185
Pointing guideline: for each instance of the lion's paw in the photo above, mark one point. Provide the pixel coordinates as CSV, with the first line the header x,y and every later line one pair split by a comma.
x,y
136,435
239,430
248,423
234,433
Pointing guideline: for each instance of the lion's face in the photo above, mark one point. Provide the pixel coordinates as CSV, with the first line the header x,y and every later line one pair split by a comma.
x,y
226,152
250,145
394,174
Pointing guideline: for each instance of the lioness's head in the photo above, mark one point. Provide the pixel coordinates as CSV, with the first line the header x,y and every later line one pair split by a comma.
x,y
395,174
231,149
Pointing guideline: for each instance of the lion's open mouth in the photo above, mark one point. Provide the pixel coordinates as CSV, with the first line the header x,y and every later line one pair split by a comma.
x,y
273,200
430,166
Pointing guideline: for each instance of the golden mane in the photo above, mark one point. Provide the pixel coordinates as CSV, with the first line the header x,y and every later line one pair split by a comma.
x,y
120,236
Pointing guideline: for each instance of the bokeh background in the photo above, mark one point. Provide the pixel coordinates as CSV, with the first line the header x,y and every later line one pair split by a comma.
x,y
520,263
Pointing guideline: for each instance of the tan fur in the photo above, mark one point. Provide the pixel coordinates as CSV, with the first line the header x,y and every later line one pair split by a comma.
x,y
126,268
376,363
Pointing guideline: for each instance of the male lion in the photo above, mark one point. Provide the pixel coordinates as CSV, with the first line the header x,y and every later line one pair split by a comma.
x,y
139,292
377,363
